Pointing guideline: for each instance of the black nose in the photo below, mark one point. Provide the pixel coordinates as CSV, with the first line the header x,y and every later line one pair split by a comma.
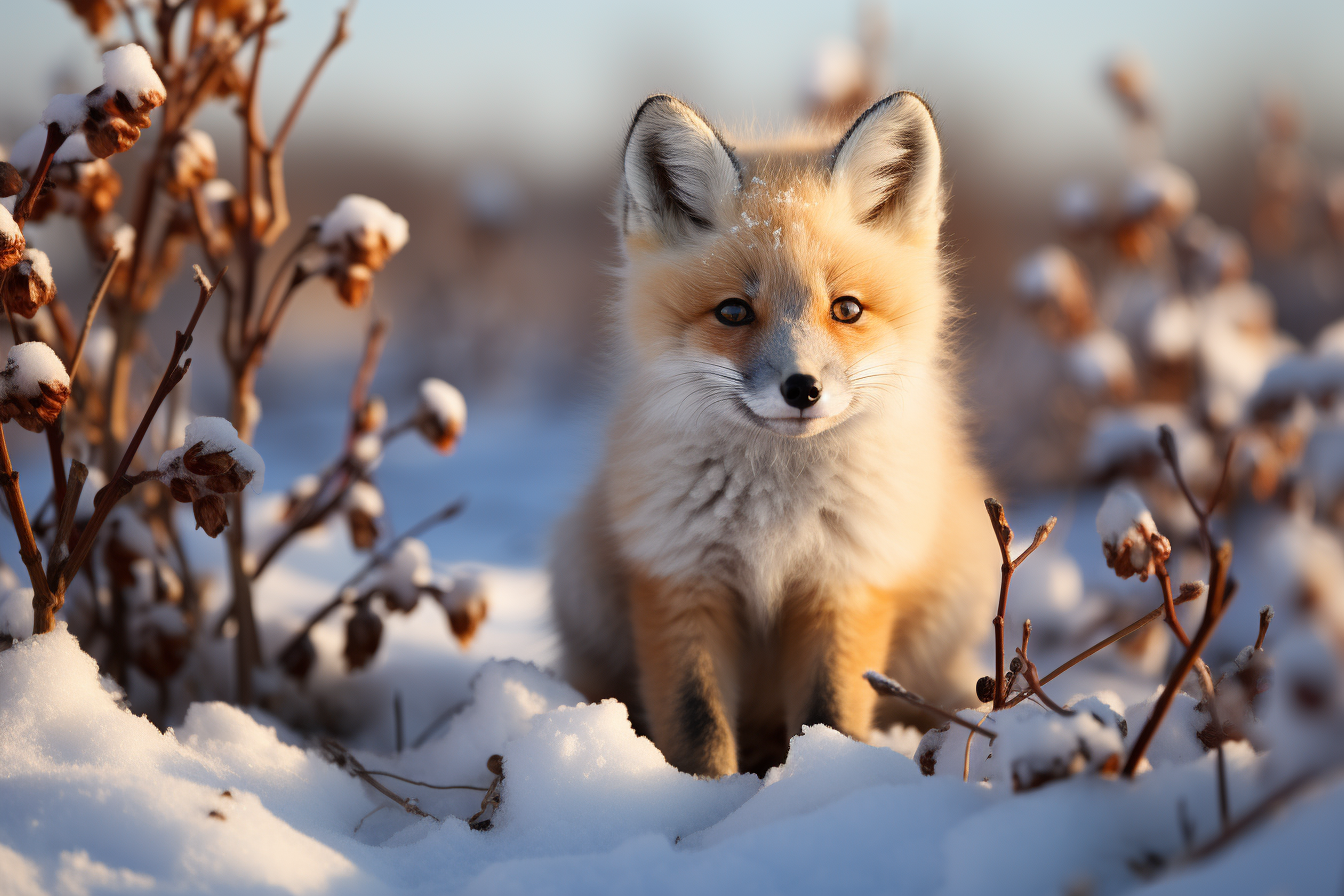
x,y
801,391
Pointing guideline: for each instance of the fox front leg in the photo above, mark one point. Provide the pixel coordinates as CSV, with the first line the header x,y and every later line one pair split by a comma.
x,y
830,640
683,639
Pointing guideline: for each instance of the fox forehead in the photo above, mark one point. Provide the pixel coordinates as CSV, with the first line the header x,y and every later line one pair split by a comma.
x,y
790,249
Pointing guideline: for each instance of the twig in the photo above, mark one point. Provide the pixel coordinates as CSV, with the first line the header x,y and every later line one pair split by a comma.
x,y
60,547
24,209
343,758
438,723
45,604
1263,810
1109,640
1033,682
439,516
97,300
1168,605
1266,614
396,717
1211,701
430,786
1004,535
884,685
966,760
1219,597
171,377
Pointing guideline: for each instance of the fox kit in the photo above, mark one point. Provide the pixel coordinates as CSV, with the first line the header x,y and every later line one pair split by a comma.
x,y
787,498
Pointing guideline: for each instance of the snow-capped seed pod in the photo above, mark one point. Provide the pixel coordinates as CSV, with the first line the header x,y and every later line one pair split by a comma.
x,y
96,185
192,162
33,386
11,240
363,231
1129,537
30,284
404,576
354,284
1101,364
1053,285
211,514
232,482
11,182
363,633
300,493
364,505
372,417
467,603
368,450
297,658
442,414
161,641
129,71
1160,192
197,461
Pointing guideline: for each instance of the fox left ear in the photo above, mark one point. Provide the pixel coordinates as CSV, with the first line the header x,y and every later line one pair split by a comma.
x,y
890,163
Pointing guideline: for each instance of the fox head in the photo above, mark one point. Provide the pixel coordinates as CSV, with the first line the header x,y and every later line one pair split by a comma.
x,y
786,290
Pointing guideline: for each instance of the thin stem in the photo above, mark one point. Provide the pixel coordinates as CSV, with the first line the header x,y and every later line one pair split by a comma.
x,y
24,209
45,604
97,300
1034,683
430,786
884,685
1168,605
1211,701
342,757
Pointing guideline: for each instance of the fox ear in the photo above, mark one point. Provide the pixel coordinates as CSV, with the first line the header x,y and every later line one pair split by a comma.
x,y
679,174
890,164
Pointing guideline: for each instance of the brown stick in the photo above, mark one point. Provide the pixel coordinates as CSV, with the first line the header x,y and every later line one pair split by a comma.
x,y
1168,605
1107,641
342,757
171,377
884,685
1213,612
1034,683
24,209
65,527
1263,810
97,300
1004,535
44,603
1266,614
1211,701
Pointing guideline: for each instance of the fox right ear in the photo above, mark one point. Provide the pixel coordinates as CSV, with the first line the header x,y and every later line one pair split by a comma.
x,y
679,174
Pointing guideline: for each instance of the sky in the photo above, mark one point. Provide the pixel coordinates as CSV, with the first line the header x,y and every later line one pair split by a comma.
x,y
550,85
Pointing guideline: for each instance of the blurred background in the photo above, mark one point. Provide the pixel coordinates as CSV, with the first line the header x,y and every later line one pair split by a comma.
x,y
496,129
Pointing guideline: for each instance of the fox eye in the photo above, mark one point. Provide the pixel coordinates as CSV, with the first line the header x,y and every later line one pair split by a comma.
x,y
846,309
734,312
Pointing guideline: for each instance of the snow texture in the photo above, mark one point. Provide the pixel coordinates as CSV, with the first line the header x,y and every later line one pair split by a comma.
x,y
130,70
364,496
1101,361
66,110
9,228
445,402
38,266
16,612
33,363
405,574
356,216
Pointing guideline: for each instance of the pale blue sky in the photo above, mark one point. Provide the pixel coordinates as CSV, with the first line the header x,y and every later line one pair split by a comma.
x,y
552,83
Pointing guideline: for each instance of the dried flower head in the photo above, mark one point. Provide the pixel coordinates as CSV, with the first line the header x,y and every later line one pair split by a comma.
x,y
363,633
467,602
119,109
1129,537
211,514
193,162
359,235
363,507
11,182
30,284
1160,192
372,417
442,414
33,386
354,283
11,240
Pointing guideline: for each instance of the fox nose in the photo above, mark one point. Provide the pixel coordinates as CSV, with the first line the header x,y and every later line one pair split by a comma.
x,y
801,391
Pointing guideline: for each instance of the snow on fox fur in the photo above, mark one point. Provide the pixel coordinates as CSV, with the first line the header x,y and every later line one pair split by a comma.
x,y
788,498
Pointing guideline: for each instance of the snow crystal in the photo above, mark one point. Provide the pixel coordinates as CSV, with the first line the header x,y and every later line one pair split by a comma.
x,y
130,70
35,362
356,216
445,402
66,110
362,496
218,434
16,612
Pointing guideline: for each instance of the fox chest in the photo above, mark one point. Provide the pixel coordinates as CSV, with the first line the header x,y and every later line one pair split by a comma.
x,y
758,526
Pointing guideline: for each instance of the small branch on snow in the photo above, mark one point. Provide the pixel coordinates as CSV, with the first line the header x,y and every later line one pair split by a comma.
x,y
1004,535
884,685
340,756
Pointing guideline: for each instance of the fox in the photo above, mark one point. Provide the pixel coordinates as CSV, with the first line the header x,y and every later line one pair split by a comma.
x,y
788,495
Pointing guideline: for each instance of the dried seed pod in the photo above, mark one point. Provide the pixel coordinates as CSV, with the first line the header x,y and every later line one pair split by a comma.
x,y
298,658
11,240
191,164
363,633
1129,537
107,133
442,414
363,529
354,284
364,505
181,490
197,461
30,284
211,514
232,482
33,386
466,618
11,182
495,765
372,417
984,689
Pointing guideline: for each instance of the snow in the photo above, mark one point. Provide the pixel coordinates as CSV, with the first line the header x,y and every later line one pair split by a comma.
x,y
123,239
67,110
9,228
16,611
27,151
445,402
33,363
363,496
1100,362
357,218
36,264
405,574
130,70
